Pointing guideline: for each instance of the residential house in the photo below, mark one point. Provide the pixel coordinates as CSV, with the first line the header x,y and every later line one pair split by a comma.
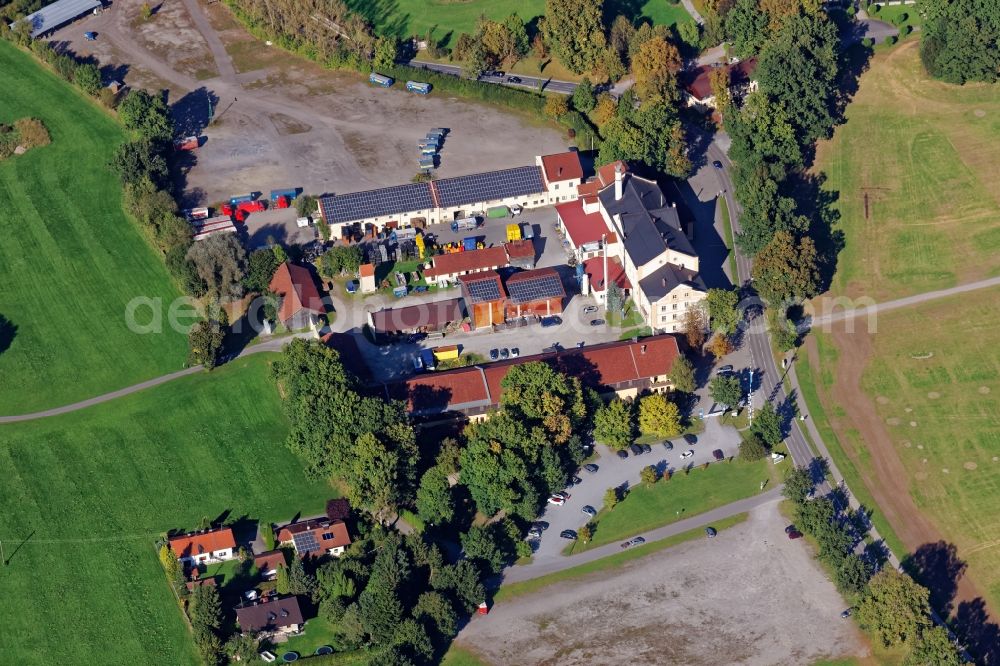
x,y
301,304
267,563
216,545
697,83
273,617
316,537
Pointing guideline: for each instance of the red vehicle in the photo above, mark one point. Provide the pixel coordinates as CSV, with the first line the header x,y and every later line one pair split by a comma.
x,y
187,143
252,206
281,202
226,209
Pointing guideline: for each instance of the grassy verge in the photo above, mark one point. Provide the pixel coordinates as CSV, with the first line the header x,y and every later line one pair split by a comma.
x,y
808,377
727,226
87,494
71,260
611,562
684,495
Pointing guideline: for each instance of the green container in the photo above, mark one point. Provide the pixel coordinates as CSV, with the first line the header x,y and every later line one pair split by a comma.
x,y
498,211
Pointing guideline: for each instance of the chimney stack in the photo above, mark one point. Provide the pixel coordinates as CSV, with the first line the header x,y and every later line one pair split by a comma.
x,y
618,181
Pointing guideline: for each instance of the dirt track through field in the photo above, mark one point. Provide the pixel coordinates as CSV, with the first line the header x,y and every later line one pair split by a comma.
x,y
884,473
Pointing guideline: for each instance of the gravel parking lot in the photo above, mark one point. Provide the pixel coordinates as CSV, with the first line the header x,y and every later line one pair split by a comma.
x,y
749,596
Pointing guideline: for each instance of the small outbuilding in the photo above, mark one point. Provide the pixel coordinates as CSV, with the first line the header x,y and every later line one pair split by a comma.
x,y
539,293
301,304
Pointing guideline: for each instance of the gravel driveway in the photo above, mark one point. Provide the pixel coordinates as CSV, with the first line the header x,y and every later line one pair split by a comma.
x,y
749,596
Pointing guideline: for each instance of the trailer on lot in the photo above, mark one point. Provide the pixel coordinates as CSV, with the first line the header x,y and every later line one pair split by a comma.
x,y
464,224
426,162
288,193
380,80
196,213
448,353
418,87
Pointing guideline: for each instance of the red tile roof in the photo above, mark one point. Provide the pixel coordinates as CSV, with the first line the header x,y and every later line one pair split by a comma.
x,y
520,249
269,561
581,227
562,166
594,268
337,531
612,364
366,270
190,545
298,291
472,260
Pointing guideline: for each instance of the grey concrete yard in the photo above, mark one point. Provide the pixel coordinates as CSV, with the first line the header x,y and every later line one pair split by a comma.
x,y
750,596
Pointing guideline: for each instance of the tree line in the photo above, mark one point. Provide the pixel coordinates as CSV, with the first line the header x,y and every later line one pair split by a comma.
x,y
892,607
959,40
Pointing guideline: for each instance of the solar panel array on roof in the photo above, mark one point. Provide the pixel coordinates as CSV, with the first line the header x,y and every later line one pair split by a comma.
x,y
492,186
376,203
305,542
535,289
484,290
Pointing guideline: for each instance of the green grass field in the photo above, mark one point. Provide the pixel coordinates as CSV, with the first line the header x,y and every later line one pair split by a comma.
x,y
70,260
450,18
86,494
922,375
683,496
927,156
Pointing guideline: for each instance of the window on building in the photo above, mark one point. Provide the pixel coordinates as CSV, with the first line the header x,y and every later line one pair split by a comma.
x,y
663,318
556,186
675,306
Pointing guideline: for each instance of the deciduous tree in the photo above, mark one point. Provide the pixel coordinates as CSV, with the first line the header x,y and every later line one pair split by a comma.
x,y
895,610
604,110
682,375
147,115
648,475
726,390
752,448
220,261
435,503
88,78
786,269
933,648
610,498
720,345
435,609
958,40
204,343
574,32
584,99
613,424
798,485
655,66
693,326
659,416
767,424
556,106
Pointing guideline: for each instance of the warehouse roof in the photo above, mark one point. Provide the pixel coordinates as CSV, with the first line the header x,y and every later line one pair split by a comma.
x,y
60,12
489,186
376,203
433,315
485,287
537,285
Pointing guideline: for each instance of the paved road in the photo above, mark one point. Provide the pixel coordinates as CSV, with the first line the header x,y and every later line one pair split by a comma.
x,y
689,6
535,570
530,82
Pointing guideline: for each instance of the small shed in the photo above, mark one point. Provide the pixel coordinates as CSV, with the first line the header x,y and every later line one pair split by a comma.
x,y
367,273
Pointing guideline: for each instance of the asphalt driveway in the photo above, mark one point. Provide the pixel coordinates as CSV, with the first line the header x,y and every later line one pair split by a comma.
x,y
613,472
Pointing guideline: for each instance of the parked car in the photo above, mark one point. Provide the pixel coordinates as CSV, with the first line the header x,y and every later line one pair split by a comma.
x,y
540,525
718,454
562,493
638,540
515,352
846,613
513,79
635,449
623,454
590,309
646,448
710,532
568,534
669,446
494,354
534,533
515,210
794,534
546,322
575,480
558,501
589,510
691,439
687,454
789,528
504,353
597,322
725,370
717,164
591,467
90,36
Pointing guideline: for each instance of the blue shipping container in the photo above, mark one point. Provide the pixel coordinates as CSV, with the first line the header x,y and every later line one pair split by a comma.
x,y
290,194
417,87
380,80
470,243
241,199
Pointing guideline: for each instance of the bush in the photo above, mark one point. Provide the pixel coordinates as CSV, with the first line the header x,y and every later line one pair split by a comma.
x,y
892,39
867,42
31,133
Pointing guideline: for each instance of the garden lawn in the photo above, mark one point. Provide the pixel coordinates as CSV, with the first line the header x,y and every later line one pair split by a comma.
x,y
927,154
683,496
86,495
922,374
450,18
70,261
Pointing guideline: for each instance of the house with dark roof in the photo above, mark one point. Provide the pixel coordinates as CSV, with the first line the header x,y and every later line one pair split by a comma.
x,y
203,547
275,616
420,318
316,537
551,179
625,368
301,305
